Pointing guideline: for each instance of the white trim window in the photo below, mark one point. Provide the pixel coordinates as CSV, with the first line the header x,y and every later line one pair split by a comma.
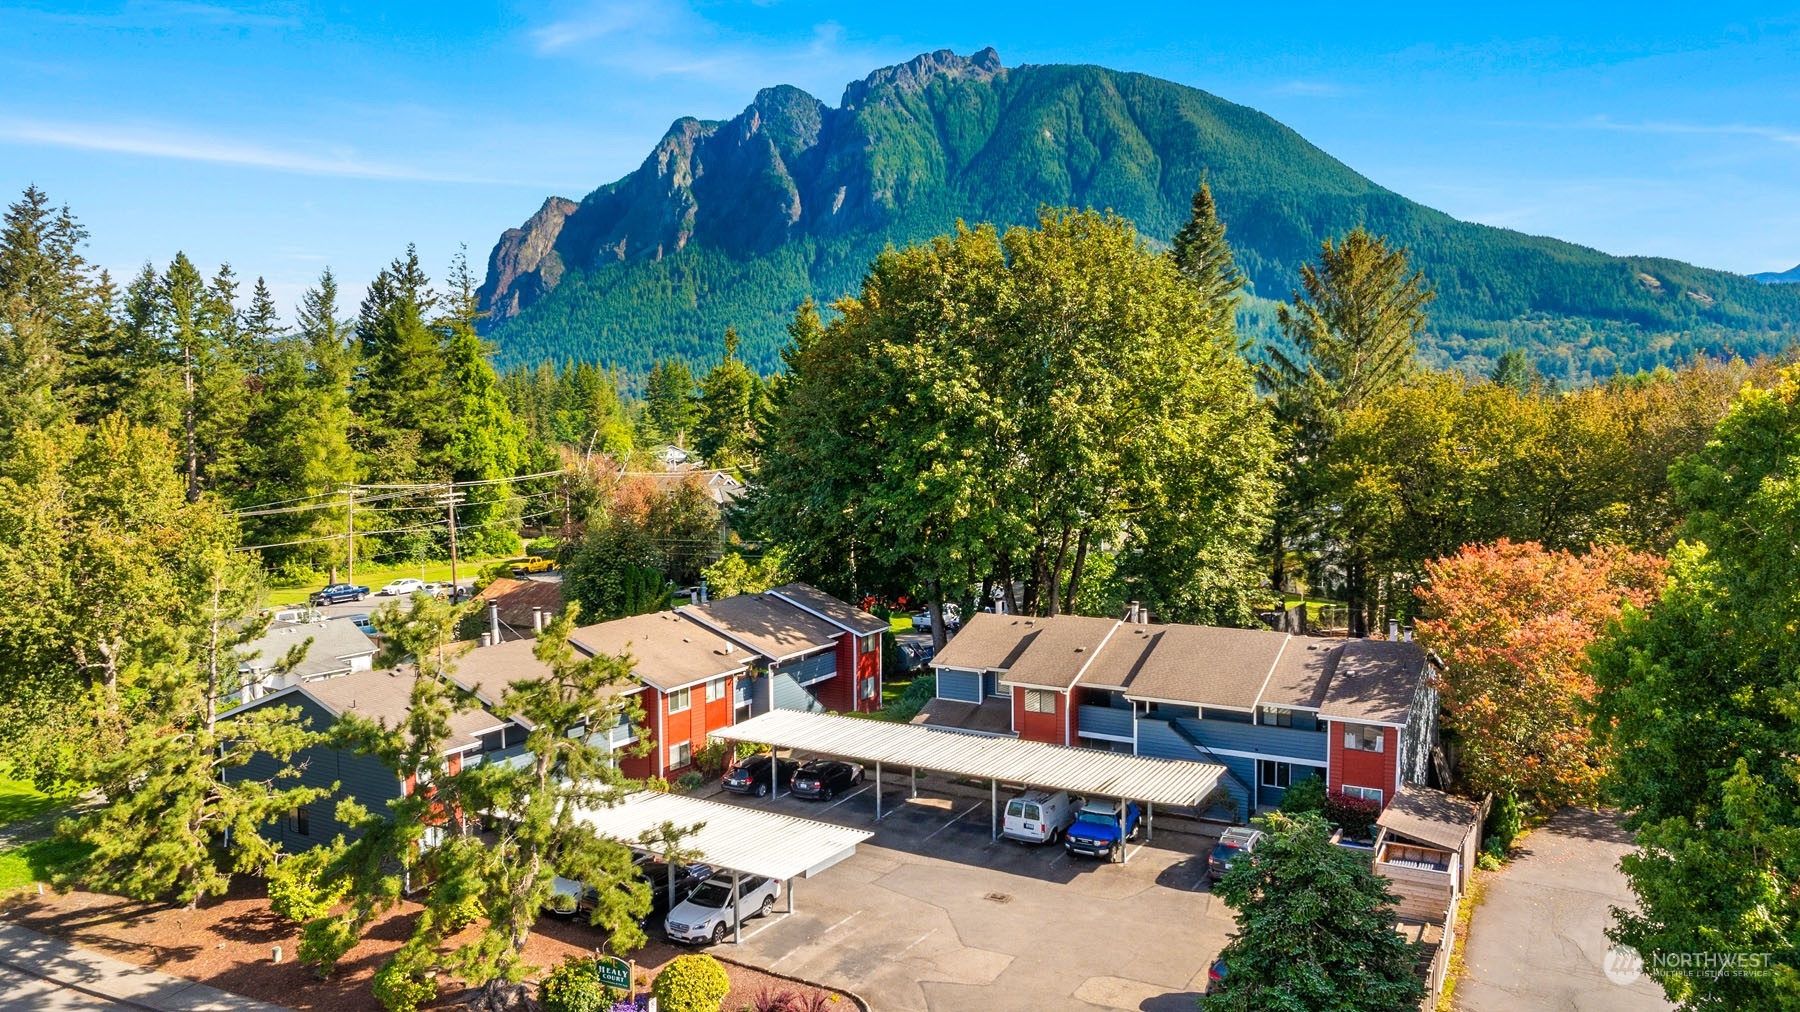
x,y
715,690
680,754
871,643
1277,716
680,700
1364,738
1365,793
868,688
1040,701
1274,774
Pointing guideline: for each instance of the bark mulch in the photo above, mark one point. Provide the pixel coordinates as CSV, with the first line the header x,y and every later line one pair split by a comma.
x,y
228,943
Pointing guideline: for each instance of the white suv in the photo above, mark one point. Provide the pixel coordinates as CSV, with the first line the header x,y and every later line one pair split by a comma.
x,y
707,914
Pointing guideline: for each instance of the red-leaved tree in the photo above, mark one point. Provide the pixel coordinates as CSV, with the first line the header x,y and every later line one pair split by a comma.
x,y
1513,624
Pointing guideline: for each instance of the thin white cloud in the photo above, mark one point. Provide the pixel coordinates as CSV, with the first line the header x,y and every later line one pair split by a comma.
x,y
1311,89
1779,135
164,142
659,39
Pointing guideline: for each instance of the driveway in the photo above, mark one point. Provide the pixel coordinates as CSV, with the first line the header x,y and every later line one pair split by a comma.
x,y
1538,941
934,915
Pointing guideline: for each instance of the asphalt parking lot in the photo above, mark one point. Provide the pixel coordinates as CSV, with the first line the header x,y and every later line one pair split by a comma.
x,y
934,914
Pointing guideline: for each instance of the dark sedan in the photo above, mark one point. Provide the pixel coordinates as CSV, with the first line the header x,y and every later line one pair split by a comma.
x,y
656,873
752,775
824,778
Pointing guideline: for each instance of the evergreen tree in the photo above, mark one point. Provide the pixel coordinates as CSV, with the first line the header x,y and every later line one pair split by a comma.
x,y
179,819
1315,929
1352,333
484,439
403,419
1205,258
1514,371
669,401
731,403
260,327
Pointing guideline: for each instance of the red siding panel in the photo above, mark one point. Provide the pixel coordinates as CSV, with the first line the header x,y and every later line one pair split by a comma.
x,y
1377,770
1045,727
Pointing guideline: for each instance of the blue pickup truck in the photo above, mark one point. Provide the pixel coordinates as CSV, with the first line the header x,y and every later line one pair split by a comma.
x,y
338,593
1102,829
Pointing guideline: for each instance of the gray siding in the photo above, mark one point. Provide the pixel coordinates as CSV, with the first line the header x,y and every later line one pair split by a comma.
x,y
1420,736
1263,739
357,776
959,685
791,695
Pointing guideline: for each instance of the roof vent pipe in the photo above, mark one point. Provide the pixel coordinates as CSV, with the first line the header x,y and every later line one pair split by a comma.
x,y
493,623
1393,629
537,619
487,639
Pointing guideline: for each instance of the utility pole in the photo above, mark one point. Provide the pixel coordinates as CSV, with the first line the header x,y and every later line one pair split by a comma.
x,y
350,531
449,497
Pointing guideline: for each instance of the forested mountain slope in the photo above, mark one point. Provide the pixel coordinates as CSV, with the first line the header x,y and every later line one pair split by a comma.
x,y
735,222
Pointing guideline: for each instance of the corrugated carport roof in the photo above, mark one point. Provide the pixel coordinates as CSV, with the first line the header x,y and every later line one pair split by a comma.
x,y
731,837
1056,767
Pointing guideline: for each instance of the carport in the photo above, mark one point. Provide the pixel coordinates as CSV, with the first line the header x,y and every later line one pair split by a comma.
x,y
731,838
1088,772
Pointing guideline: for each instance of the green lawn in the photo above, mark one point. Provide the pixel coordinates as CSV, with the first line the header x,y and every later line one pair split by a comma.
x,y
39,861
376,575
900,623
20,800
1313,604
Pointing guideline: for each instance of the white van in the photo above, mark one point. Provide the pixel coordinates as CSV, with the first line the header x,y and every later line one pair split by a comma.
x,y
1039,816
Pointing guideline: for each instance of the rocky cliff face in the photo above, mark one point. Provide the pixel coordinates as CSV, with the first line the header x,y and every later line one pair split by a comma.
x,y
787,165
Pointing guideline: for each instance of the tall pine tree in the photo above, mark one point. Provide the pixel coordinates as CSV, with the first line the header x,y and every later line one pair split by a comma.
x,y
1205,258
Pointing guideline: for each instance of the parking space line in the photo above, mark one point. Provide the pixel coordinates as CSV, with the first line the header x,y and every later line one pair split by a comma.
x,y
847,797
915,941
768,922
819,938
1133,851
952,822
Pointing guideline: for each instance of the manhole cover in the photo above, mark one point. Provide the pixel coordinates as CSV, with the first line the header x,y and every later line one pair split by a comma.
x,y
998,897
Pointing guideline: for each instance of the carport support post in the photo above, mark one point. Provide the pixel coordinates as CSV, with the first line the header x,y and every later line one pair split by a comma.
x,y
915,783
1149,821
878,791
789,889
994,803
737,912
775,772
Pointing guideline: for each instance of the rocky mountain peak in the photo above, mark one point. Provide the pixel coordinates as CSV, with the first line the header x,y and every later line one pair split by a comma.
x,y
916,73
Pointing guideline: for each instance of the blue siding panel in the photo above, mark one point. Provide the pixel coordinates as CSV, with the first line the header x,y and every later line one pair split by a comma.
x,y
818,667
1156,738
1104,720
791,695
964,686
1263,739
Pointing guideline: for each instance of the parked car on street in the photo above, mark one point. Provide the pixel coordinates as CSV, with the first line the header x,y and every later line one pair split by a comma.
x,y
338,593
532,564
952,618
1215,976
1102,829
915,655
822,779
709,913
1039,816
402,588
1237,842
753,775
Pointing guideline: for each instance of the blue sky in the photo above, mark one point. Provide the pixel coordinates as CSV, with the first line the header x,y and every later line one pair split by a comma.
x,y
285,137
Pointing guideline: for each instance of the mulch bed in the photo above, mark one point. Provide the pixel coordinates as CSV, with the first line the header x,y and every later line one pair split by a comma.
x,y
229,942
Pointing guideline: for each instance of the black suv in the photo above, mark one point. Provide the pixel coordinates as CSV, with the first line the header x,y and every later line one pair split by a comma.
x,y
752,775
656,874
824,778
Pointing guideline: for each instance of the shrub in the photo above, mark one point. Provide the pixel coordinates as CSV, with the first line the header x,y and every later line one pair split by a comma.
x,y
325,941
711,760
297,887
1355,816
657,784
573,987
401,987
921,689
690,781
1504,823
691,984
789,1000
1306,795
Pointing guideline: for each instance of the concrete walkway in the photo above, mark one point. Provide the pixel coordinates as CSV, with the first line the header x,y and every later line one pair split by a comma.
x,y
40,972
1538,939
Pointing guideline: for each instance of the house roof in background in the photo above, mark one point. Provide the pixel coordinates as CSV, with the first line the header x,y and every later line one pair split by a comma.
x,y
766,624
385,695
1375,681
1431,816
334,642
1208,666
1062,649
517,598
838,613
670,651
1303,673
987,642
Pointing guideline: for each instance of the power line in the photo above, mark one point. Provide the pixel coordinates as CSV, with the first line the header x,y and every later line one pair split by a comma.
x,y
397,530
383,492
